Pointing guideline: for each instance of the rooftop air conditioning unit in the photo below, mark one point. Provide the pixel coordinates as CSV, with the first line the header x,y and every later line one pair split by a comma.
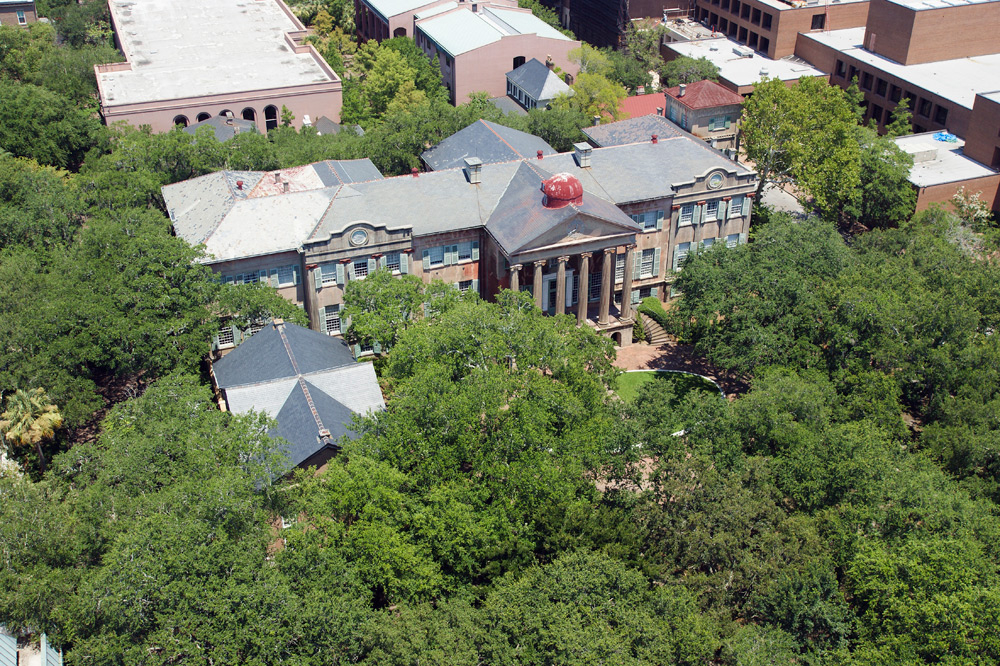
x,y
743,51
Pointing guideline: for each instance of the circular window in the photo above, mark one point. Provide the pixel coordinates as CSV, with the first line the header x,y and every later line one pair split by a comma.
x,y
715,180
359,237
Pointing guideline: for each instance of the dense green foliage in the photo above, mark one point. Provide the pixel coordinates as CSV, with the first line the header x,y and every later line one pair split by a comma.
x,y
688,70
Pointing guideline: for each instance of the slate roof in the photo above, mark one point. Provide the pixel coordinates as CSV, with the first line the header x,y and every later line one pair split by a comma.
x,y
326,126
705,95
508,105
488,141
224,130
438,201
540,82
284,367
634,130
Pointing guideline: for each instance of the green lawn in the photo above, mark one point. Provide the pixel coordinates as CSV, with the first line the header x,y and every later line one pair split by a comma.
x,y
629,383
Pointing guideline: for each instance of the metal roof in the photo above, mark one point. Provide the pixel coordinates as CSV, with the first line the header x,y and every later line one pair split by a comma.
x,y
488,141
540,82
464,30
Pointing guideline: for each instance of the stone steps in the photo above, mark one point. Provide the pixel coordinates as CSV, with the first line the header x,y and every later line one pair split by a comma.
x,y
655,335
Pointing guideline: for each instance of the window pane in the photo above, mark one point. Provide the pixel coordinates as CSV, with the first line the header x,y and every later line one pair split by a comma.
x,y
436,255
465,285
732,240
712,211
286,276
619,267
646,269
465,252
332,321
736,207
392,261
687,214
360,268
329,272
595,285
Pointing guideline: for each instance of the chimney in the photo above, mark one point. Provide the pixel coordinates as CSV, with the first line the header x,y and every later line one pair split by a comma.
x,y
548,62
582,152
656,138
597,120
474,170
278,322
540,154
239,184
415,172
286,184
682,87
277,177
659,111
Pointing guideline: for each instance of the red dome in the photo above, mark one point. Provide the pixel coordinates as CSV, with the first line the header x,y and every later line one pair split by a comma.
x,y
561,190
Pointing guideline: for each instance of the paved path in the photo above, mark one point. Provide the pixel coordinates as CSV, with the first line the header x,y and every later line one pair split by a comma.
x,y
673,356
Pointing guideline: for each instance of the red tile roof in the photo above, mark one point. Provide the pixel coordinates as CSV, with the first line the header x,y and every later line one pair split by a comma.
x,y
642,105
705,94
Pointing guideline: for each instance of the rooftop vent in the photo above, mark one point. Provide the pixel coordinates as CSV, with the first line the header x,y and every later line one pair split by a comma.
x,y
239,184
682,88
656,139
415,172
659,110
474,170
540,154
285,186
582,152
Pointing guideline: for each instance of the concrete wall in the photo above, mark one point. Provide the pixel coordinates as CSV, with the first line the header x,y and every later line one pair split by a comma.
x,y
982,140
8,13
909,36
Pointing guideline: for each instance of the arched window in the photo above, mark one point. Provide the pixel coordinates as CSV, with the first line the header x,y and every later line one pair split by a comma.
x,y
249,114
518,61
399,32
270,117
203,116
181,120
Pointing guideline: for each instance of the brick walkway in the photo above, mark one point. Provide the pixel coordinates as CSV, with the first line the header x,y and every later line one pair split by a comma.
x,y
673,356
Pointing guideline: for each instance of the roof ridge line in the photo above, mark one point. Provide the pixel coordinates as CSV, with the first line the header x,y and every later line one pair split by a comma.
x,y
301,380
497,135
322,217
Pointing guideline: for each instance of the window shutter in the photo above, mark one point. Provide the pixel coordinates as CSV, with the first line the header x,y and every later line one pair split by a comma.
x,y
344,323
318,278
350,271
357,351
743,239
637,219
723,205
237,334
262,276
656,262
295,275
377,347
728,122
322,319
340,274
215,342
659,220
698,211
711,124
746,206
427,260
475,287
404,263
677,256
381,261
371,265
569,290
636,264
635,296
274,277
475,250
451,255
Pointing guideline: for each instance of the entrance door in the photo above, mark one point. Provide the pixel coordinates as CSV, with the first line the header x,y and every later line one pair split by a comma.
x,y
551,293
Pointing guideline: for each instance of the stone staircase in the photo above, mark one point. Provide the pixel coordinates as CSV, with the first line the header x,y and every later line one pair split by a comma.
x,y
655,335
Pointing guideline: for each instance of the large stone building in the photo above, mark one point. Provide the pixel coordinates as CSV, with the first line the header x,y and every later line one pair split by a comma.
x,y
190,60
476,43
589,232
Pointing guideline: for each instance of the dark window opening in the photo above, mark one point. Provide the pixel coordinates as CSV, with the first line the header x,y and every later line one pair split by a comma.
x,y
181,120
841,70
742,39
752,42
924,109
202,117
518,61
880,87
765,21
866,81
818,21
249,114
755,16
745,12
941,115
895,93
996,158
876,113
852,72
764,44
270,117
399,32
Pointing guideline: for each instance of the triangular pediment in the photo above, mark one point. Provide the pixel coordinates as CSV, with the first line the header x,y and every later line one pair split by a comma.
x,y
578,229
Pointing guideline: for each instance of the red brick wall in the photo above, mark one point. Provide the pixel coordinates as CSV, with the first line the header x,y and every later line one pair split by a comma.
x,y
910,37
942,194
982,141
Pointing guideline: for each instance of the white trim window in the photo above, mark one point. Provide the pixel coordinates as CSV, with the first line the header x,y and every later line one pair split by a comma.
x,y
712,211
595,286
21,18
736,207
360,269
464,252
227,337
328,272
465,285
646,265
706,244
619,268
732,240
436,256
332,323
687,215
392,262
286,276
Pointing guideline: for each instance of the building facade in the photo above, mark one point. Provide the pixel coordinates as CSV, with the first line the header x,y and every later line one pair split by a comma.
x,y
707,109
17,12
589,233
188,61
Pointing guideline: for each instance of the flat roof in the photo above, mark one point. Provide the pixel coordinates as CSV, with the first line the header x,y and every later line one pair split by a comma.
x,y
390,8
740,70
192,48
803,4
464,30
939,162
920,5
955,80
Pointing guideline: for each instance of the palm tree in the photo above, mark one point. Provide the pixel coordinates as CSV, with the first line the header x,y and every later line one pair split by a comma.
x,y
30,419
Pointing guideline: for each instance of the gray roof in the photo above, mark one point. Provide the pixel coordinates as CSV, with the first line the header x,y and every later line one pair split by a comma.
x,y
518,218
464,30
214,209
284,367
326,126
540,82
633,130
432,202
224,128
488,141
508,105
